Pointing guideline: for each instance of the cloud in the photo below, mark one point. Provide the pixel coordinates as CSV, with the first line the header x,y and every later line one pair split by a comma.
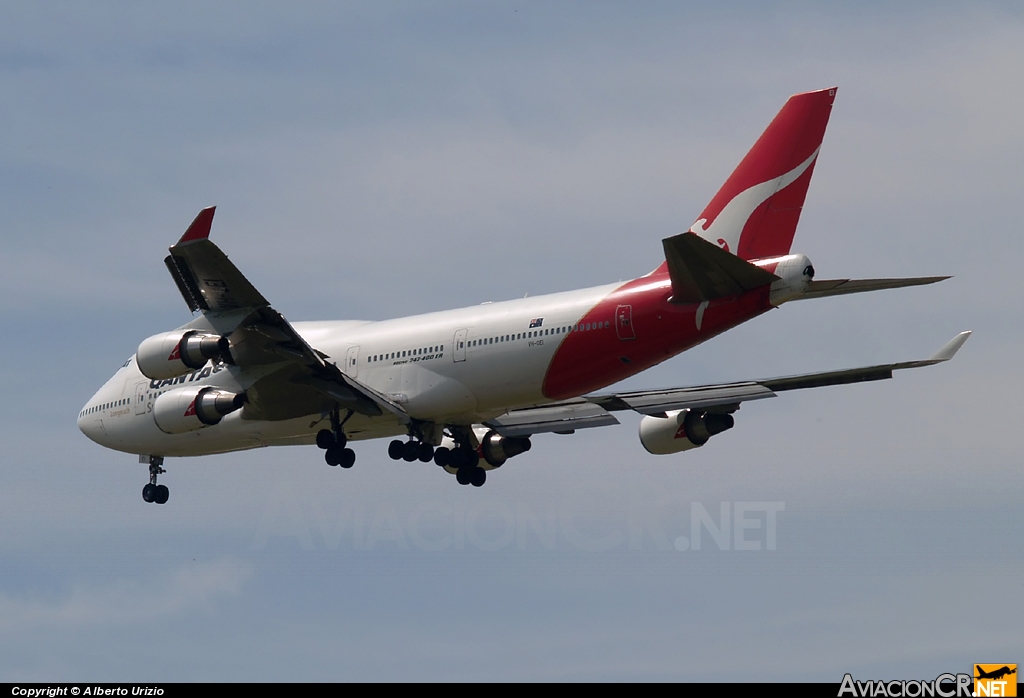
x,y
125,601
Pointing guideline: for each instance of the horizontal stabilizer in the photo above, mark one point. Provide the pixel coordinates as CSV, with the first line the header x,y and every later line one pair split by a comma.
x,y
702,271
840,287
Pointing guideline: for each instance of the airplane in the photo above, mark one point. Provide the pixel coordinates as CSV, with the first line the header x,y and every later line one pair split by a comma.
x,y
996,674
468,389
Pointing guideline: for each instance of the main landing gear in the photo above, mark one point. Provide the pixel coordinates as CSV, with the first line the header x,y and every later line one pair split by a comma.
x,y
333,441
154,492
410,451
463,460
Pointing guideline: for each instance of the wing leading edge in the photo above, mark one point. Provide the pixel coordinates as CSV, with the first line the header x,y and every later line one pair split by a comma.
x,y
717,398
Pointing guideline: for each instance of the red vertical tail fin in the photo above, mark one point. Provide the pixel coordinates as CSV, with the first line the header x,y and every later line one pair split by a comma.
x,y
754,214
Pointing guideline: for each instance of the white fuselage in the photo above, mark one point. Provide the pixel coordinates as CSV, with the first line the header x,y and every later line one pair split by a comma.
x,y
461,366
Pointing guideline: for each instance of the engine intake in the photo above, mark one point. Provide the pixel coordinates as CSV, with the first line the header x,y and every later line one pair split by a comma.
x,y
187,409
681,430
176,353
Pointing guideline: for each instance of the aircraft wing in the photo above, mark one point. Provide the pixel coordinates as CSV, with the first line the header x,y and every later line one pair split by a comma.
x,y
259,335
722,397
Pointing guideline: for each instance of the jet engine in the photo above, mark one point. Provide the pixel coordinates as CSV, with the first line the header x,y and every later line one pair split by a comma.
x,y
187,409
176,353
681,430
497,449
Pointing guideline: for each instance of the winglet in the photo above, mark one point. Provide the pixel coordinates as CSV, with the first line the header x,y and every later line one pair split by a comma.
x,y
949,350
200,228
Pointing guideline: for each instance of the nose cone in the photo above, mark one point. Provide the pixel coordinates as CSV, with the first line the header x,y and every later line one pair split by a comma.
x,y
90,421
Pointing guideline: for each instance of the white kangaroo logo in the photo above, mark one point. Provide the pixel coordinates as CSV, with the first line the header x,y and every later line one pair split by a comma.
x,y
728,224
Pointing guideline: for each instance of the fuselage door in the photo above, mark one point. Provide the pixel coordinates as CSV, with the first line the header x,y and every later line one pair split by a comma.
x,y
459,345
352,361
140,397
624,322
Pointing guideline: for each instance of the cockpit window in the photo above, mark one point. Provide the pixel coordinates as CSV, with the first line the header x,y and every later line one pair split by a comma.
x,y
128,362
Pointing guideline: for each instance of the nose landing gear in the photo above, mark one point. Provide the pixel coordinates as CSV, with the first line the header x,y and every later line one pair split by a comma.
x,y
154,492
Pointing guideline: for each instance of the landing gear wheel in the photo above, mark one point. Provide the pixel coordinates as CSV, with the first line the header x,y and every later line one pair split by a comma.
x,y
442,456
162,493
149,493
395,449
324,439
410,451
333,455
478,477
348,458
464,476
465,458
425,453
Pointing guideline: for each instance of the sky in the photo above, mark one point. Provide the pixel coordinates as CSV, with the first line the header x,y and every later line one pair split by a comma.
x,y
378,160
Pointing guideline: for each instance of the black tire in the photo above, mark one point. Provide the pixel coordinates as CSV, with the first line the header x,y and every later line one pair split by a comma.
x,y
425,453
324,439
410,451
464,458
395,449
464,476
341,439
442,456
162,494
348,458
149,493
333,455
477,477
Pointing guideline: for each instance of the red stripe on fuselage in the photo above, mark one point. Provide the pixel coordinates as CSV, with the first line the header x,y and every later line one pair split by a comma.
x,y
588,360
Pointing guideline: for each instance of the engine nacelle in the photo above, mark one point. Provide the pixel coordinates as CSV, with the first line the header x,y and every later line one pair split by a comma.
x,y
187,409
176,353
681,430
496,449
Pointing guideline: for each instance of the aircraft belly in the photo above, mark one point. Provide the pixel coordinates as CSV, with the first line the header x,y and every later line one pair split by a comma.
x,y
428,394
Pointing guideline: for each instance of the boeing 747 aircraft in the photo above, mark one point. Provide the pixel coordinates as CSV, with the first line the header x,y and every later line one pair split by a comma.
x,y
468,388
